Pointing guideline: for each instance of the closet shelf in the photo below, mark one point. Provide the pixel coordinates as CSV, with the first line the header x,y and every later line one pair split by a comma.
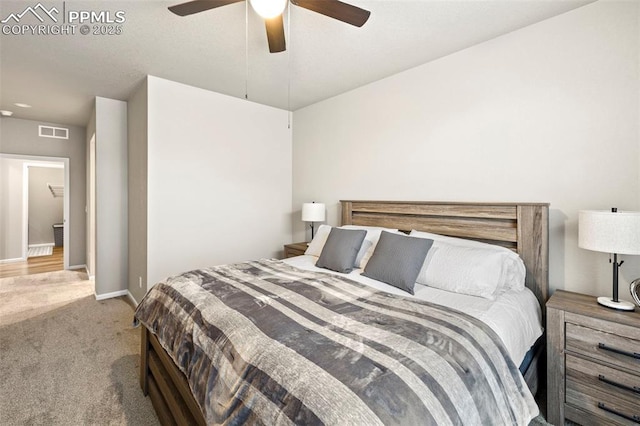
x,y
56,190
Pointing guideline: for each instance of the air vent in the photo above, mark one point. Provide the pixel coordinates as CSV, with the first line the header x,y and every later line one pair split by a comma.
x,y
53,132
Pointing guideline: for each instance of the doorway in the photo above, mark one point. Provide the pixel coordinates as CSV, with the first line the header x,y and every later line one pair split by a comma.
x,y
14,211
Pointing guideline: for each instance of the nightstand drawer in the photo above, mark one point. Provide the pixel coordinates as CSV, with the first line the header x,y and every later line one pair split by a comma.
x,y
610,348
606,392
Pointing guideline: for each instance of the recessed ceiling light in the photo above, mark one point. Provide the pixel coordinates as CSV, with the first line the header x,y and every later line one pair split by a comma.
x,y
21,105
6,113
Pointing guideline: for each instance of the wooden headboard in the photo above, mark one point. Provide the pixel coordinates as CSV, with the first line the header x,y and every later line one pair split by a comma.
x,y
522,227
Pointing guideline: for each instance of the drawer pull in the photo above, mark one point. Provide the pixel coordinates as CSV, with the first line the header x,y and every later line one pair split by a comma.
x,y
619,351
634,389
635,419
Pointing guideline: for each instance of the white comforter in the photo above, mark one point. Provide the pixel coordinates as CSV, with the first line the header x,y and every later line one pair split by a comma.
x,y
515,315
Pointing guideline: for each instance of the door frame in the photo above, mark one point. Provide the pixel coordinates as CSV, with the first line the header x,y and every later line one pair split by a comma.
x,y
40,161
91,210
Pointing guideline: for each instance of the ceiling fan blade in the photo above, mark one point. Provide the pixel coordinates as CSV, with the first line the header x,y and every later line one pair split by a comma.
x,y
275,34
196,6
336,9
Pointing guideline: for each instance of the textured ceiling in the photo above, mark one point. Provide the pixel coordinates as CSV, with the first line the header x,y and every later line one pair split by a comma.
x,y
59,75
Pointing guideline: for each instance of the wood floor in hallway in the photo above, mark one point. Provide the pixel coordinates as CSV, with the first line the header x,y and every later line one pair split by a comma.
x,y
34,265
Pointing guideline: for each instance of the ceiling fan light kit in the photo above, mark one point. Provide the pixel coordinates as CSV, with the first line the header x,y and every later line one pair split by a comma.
x,y
268,9
271,11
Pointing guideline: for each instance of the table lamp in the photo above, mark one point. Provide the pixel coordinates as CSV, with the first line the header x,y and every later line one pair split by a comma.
x,y
313,212
611,232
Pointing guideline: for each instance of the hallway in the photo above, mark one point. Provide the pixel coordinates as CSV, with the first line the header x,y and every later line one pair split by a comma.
x,y
34,265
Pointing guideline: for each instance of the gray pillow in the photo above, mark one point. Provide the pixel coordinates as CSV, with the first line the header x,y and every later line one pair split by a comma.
x,y
340,251
397,260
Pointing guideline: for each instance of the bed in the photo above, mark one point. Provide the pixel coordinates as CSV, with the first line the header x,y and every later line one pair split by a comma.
x,y
520,227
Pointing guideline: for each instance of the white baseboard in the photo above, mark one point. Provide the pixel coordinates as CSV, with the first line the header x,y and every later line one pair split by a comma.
x,y
42,245
119,293
133,299
77,267
17,259
112,294
91,275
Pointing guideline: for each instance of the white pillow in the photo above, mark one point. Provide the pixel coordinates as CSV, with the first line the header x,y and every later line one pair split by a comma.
x,y
366,250
369,243
319,239
470,267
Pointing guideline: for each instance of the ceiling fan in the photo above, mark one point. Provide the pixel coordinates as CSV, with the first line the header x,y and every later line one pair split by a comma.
x,y
271,11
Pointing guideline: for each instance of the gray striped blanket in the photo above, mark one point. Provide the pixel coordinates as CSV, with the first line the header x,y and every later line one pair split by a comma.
x,y
266,343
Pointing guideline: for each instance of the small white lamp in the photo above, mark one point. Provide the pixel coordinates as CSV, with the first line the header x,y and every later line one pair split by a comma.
x,y
610,232
313,212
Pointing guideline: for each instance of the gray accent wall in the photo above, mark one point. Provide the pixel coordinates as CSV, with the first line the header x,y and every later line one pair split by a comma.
x,y
45,210
111,197
20,137
137,127
11,209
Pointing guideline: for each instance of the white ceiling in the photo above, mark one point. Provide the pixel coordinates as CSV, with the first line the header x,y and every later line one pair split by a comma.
x,y
59,75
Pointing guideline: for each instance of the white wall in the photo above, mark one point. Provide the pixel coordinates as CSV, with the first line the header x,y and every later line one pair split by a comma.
x,y
548,113
219,179
111,197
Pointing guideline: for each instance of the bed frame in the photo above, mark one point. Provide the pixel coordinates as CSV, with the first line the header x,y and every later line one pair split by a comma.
x,y
522,227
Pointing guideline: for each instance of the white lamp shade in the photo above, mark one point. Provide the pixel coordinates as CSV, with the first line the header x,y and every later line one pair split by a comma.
x,y
313,212
609,232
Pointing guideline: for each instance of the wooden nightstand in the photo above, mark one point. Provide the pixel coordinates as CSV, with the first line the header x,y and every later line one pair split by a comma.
x,y
593,362
295,249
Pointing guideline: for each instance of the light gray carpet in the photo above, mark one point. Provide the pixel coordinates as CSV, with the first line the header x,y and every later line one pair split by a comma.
x,y
22,298
65,358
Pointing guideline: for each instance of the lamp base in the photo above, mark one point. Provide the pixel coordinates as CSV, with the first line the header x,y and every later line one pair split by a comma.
x,y
620,305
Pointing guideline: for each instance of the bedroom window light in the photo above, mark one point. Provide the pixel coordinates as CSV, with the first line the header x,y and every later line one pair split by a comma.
x,y
313,212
